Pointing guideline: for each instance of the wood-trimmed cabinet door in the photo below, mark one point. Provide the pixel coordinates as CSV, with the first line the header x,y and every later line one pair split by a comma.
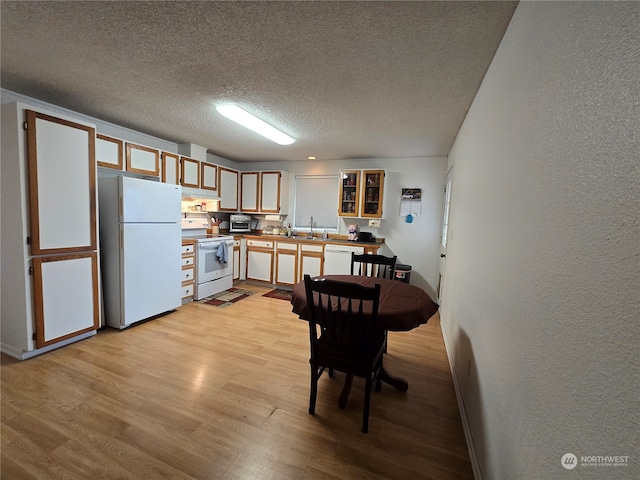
x,y
62,185
349,205
189,172
311,260
228,189
65,296
270,192
372,193
143,160
249,191
170,168
286,263
109,152
208,176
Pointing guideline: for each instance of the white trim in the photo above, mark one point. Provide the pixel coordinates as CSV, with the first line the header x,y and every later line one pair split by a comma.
x,y
477,473
15,353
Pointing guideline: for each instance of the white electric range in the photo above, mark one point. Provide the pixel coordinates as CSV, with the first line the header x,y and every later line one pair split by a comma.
x,y
214,258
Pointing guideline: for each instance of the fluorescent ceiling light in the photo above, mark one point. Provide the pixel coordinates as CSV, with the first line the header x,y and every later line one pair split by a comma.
x,y
244,118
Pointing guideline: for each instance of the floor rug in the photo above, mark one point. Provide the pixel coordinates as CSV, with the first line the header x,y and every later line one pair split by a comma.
x,y
226,298
279,294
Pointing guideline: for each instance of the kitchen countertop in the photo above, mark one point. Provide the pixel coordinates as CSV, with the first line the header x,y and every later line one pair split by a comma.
x,y
303,239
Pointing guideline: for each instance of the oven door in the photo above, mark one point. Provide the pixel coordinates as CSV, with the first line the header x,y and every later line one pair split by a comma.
x,y
209,261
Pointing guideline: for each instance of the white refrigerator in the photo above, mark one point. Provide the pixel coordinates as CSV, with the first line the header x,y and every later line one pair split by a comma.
x,y
140,240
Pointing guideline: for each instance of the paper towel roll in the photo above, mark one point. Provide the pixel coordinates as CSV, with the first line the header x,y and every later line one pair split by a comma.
x,y
273,218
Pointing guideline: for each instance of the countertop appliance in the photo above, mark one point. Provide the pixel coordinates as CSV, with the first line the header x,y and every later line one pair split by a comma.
x,y
366,237
140,239
337,258
239,223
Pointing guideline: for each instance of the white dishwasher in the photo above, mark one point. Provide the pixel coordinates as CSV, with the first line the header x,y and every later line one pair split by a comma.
x,y
337,258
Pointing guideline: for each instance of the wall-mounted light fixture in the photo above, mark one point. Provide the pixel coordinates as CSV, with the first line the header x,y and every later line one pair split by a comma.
x,y
247,120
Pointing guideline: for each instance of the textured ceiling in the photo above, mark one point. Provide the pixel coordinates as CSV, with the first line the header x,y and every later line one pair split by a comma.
x,y
346,79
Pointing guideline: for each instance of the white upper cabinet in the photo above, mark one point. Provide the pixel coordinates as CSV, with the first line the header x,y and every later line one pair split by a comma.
x,y
208,176
170,168
190,172
228,189
143,160
109,152
264,192
249,191
274,192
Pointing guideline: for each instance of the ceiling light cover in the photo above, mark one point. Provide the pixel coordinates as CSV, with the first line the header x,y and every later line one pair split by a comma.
x,y
247,120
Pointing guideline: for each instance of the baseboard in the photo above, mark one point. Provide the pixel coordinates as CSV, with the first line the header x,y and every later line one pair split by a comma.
x,y
22,355
477,473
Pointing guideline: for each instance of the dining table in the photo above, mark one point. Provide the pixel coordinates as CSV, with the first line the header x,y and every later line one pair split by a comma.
x,y
402,307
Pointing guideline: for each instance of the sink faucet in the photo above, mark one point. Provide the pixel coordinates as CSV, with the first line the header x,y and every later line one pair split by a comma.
x,y
311,227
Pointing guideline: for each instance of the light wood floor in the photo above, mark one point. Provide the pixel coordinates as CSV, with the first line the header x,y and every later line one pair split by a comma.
x,y
222,393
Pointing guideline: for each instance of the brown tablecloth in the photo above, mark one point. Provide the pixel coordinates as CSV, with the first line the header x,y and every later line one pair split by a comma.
x,y
402,306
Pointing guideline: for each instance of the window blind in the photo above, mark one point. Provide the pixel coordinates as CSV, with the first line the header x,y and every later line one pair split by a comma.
x,y
316,196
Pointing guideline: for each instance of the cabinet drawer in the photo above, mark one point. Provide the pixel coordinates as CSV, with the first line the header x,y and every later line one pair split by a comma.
x,y
187,249
188,261
187,275
286,246
311,248
187,291
259,243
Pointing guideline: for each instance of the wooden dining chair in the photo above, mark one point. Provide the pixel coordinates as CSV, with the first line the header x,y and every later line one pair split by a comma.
x,y
344,334
373,265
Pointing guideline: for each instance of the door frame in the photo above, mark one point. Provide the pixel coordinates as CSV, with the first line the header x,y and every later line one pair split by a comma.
x,y
444,234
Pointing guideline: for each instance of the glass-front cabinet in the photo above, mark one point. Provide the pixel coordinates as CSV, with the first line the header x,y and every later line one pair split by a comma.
x,y
372,193
349,193
361,193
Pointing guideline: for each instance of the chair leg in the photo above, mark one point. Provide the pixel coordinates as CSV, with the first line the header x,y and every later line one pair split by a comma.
x,y
314,389
367,402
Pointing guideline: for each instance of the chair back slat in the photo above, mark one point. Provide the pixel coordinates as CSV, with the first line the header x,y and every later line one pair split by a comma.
x,y
373,265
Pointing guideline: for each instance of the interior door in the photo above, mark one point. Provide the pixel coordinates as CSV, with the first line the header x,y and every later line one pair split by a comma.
x,y
444,235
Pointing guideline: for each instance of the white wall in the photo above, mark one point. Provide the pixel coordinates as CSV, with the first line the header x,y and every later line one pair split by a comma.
x,y
542,282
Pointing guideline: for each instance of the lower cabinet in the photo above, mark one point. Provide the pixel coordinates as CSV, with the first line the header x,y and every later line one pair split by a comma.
x,y
65,297
260,260
311,260
188,272
286,263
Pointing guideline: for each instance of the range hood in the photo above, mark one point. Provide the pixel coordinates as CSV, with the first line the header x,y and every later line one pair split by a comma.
x,y
197,194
